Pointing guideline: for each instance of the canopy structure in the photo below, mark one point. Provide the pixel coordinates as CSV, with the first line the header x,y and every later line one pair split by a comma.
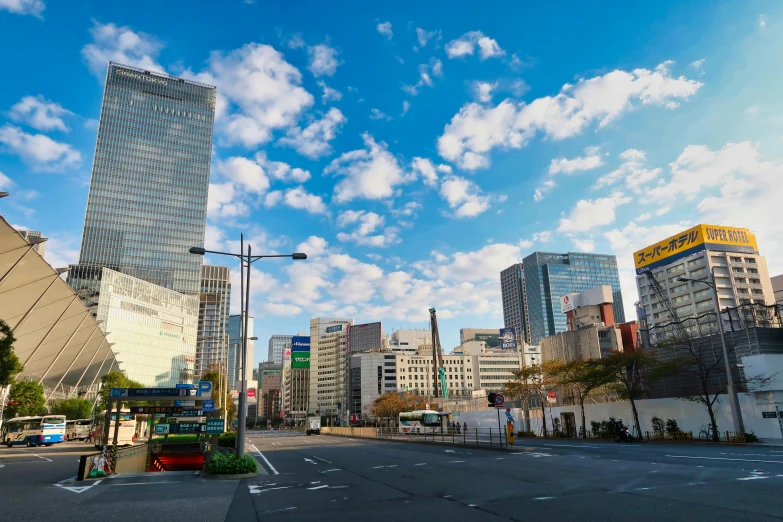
x,y
58,340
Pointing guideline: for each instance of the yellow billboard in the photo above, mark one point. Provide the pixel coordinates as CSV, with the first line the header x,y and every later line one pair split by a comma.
x,y
695,239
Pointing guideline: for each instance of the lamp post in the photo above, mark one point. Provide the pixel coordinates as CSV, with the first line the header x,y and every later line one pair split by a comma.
x,y
245,260
736,413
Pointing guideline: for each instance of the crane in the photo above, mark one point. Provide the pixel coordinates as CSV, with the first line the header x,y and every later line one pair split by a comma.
x,y
439,372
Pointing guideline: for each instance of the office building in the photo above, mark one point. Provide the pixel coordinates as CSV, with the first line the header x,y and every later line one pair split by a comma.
x,y
408,341
777,288
153,329
741,274
277,345
269,379
549,276
147,201
490,336
364,337
214,299
235,348
512,288
34,234
296,381
371,374
328,367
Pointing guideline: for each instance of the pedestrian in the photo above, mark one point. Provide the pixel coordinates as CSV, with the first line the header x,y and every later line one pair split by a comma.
x,y
458,428
89,435
465,426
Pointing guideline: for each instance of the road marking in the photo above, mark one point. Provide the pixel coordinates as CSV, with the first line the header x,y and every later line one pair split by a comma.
x,y
500,458
421,464
377,467
724,458
79,489
322,460
641,489
455,461
449,451
543,498
335,469
259,454
311,461
318,487
151,483
570,446
254,489
338,487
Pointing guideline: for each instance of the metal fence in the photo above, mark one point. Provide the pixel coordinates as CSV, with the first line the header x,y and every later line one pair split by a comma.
x,y
492,437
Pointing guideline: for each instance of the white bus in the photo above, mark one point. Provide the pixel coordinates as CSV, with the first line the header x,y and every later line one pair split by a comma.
x,y
126,435
33,431
77,429
422,421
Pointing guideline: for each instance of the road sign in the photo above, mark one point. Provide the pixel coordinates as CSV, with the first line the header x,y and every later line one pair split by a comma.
x,y
150,392
234,394
216,426
186,412
510,417
769,414
251,392
162,429
185,403
187,427
499,399
165,410
208,406
205,389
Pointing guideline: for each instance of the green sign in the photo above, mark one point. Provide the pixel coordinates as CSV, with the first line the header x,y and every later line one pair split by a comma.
x,y
300,359
216,426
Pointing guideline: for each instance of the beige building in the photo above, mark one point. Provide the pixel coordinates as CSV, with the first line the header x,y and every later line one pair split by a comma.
x,y
328,366
777,288
212,337
296,383
589,342
741,274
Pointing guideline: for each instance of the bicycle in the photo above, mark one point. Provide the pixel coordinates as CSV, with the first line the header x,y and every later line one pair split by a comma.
x,y
707,432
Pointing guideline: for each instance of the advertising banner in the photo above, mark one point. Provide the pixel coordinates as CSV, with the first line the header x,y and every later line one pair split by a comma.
x,y
300,360
508,338
300,343
335,328
695,239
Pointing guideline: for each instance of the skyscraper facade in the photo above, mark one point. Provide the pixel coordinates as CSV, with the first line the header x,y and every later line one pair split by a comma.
x,y
549,276
34,234
512,287
147,202
277,345
235,348
214,298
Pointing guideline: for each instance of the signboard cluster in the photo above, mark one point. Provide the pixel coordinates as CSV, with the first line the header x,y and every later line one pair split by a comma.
x,y
300,351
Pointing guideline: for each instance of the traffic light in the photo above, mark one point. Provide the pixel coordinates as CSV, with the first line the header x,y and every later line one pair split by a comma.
x,y
491,399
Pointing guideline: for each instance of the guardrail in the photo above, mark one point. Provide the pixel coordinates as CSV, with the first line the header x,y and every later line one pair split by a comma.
x,y
490,437
130,459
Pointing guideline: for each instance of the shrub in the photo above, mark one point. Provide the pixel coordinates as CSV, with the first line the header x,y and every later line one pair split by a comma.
x,y
672,427
227,440
522,433
658,425
229,463
751,437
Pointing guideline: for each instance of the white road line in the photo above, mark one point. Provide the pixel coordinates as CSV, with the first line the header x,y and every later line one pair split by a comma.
x,y
543,498
569,446
753,478
79,489
43,458
311,461
319,487
377,467
421,464
392,466
259,454
724,458
322,460
335,469
151,483
454,461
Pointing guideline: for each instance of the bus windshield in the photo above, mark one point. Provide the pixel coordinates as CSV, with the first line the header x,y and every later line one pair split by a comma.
x,y
430,419
53,419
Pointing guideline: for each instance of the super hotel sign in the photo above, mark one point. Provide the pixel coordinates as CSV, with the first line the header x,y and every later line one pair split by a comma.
x,y
696,239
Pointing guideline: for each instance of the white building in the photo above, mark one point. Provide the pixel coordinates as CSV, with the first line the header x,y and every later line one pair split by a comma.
x,y
371,374
328,367
741,274
152,329
408,341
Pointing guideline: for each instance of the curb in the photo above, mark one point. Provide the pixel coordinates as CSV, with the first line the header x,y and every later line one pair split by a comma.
x,y
227,476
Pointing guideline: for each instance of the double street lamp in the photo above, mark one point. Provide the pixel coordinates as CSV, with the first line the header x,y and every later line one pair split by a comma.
x,y
245,260
736,413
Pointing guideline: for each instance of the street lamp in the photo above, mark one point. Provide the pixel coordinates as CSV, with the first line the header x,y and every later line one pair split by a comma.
x,y
736,413
244,262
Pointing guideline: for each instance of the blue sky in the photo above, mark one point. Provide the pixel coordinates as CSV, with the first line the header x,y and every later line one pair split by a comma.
x,y
415,149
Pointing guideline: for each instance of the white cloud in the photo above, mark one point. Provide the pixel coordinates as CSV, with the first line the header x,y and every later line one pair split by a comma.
x,y
463,196
485,263
121,45
23,7
631,172
244,173
295,42
477,129
314,246
281,309
425,36
62,250
542,237
323,60
376,114
578,164
385,28
407,210
299,198
258,93
753,109
223,201
698,63
483,91
643,217
426,170
38,151
369,173
468,42
405,106
5,182
281,171
329,93
588,214
426,72
584,245
39,113
762,21
314,140
366,224
273,198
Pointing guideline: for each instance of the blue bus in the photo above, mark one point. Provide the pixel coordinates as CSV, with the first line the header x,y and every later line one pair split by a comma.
x,y
33,431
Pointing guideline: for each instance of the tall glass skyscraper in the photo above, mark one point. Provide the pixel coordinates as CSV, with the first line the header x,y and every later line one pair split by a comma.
x,y
550,276
147,202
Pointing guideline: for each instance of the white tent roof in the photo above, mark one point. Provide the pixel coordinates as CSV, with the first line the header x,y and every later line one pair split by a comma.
x,y
57,338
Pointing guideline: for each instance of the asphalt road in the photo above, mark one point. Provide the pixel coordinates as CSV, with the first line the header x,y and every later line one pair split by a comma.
x,y
325,478
336,478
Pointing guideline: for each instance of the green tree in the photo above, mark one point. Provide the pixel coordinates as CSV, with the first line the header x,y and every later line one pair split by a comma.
x,y
113,380
10,365
531,381
214,375
72,408
26,398
628,370
582,378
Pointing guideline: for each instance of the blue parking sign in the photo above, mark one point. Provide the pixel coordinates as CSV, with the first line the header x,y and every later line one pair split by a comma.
x,y
205,389
207,406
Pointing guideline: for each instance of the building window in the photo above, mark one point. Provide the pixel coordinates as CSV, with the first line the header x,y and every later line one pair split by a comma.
x,y
750,260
